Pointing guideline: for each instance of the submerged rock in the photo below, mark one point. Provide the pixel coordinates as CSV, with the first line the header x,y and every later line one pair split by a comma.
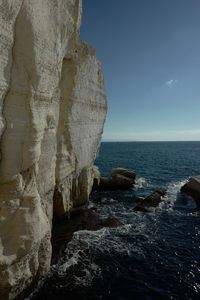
x,y
150,203
192,188
121,179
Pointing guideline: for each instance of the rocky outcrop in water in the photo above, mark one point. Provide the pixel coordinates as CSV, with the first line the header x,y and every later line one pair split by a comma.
x,y
87,220
192,188
121,179
150,203
53,107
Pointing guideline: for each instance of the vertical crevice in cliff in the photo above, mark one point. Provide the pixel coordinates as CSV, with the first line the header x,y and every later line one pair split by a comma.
x,y
78,14
65,160
8,71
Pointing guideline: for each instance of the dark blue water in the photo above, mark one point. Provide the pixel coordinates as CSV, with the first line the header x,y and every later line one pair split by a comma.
x,y
153,255
158,162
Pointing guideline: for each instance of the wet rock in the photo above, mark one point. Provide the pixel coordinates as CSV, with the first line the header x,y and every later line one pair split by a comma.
x,y
110,222
121,179
150,203
192,188
123,172
63,231
118,183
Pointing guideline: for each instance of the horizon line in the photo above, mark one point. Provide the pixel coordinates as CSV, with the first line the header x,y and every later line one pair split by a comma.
x,y
146,141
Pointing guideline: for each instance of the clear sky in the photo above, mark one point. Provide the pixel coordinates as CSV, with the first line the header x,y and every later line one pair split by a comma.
x,y
150,52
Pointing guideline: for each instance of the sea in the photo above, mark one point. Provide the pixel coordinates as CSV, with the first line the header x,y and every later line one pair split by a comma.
x,y
152,255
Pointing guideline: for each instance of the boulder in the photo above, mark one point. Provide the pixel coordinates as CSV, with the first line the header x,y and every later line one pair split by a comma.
x,y
121,179
123,173
192,188
150,203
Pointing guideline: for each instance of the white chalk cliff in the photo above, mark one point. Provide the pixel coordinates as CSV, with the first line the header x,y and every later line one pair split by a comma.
x,y
53,107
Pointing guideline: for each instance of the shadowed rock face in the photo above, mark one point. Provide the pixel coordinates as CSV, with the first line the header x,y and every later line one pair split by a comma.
x,y
150,203
192,188
52,112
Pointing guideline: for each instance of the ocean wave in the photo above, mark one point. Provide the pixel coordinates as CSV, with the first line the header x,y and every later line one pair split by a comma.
x,y
172,190
141,182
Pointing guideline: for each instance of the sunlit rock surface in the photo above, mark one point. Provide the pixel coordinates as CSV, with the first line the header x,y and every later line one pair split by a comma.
x,y
53,107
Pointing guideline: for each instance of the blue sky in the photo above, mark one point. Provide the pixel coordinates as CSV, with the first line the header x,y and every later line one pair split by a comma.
x,y
150,52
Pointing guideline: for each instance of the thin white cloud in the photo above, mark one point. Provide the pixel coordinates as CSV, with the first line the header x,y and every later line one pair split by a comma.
x,y
171,82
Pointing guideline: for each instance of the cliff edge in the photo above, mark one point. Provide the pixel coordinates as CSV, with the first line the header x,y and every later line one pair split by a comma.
x,y
53,108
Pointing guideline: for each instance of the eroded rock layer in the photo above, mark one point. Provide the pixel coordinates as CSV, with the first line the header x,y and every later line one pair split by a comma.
x,y
53,108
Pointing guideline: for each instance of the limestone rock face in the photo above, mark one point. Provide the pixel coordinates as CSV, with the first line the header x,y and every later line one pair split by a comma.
x,y
53,107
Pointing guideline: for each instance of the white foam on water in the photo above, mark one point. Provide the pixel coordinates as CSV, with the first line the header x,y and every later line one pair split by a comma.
x,y
108,200
173,188
141,182
71,262
110,241
79,261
